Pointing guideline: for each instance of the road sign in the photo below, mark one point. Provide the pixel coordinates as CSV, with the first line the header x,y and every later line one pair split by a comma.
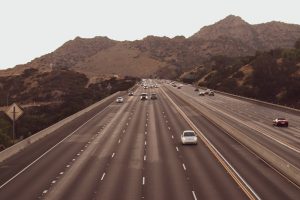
x,y
14,112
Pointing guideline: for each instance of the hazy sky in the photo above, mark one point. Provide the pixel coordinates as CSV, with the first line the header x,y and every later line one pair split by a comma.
x,y
31,28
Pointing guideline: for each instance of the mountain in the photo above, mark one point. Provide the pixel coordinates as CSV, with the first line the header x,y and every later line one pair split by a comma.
x,y
162,56
260,37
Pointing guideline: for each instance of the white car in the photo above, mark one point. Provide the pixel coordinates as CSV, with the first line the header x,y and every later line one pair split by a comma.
x,y
189,137
120,100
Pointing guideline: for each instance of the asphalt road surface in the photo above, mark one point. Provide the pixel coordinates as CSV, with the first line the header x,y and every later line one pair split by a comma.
x,y
132,150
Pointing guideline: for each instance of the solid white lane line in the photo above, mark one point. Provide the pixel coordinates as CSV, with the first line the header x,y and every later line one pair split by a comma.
x,y
183,166
144,180
102,176
194,195
177,149
113,155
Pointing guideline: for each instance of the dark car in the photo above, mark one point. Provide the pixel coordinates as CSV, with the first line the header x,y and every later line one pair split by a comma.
x,y
153,96
196,89
280,122
144,96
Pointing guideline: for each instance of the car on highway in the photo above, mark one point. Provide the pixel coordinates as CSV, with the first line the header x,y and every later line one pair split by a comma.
x,y
211,93
189,137
280,122
130,93
207,91
144,96
120,100
153,96
196,89
201,94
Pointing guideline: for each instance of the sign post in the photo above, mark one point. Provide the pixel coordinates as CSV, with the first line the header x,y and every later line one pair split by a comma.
x,y
14,112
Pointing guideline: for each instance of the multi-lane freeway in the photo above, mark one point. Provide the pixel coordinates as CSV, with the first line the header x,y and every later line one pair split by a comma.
x,y
132,150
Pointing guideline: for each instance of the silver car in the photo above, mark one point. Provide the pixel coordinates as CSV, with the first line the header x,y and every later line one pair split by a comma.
x,y
120,100
189,137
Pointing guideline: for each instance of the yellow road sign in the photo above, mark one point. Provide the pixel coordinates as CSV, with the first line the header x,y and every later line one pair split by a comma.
x,y
14,112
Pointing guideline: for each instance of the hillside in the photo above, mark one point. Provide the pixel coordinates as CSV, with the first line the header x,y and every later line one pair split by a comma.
x,y
48,97
272,76
163,56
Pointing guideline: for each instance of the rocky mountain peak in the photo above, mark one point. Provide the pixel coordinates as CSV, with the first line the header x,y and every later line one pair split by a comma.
x,y
232,20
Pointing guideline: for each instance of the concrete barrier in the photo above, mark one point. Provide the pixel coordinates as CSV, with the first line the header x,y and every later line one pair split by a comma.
x,y
279,163
6,153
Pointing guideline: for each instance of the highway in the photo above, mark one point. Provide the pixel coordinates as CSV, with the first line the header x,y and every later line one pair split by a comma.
x,y
132,150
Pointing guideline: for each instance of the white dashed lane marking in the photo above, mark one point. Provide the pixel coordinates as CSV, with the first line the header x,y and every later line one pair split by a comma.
x,y
102,176
183,166
144,180
194,195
